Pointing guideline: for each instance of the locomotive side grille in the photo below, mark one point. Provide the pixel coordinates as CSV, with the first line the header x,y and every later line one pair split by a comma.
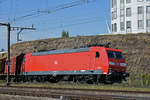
x,y
61,51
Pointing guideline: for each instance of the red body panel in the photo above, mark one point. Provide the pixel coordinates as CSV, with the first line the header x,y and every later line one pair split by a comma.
x,y
13,67
76,61
68,61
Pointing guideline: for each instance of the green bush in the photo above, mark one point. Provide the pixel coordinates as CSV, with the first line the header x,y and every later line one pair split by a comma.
x,y
145,79
65,34
140,80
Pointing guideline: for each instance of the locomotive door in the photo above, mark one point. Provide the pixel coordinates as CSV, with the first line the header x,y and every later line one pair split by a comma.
x,y
95,61
19,60
97,56
2,65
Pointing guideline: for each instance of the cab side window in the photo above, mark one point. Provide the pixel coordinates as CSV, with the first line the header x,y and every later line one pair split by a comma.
x,y
97,54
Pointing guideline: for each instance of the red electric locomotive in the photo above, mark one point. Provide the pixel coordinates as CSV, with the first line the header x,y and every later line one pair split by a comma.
x,y
91,64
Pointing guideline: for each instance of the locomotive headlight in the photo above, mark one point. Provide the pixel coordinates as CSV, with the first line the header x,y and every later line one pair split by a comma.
x,y
123,64
111,63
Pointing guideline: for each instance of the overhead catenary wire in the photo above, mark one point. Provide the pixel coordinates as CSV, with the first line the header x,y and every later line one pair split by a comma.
x,y
74,24
71,24
70,19
55,9
82,21
67,25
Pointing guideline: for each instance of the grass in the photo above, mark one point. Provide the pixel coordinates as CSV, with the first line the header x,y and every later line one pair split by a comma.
x,y
79,86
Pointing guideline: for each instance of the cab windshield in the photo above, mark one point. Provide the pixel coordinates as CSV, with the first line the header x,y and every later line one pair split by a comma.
x,y
114,54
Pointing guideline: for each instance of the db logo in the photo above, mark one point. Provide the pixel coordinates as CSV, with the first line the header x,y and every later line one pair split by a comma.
x,y
55,62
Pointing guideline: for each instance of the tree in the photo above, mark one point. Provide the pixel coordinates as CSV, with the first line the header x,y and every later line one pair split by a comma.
x,y
2,50
65,34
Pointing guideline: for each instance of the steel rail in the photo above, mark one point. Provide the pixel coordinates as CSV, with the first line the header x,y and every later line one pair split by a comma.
x,y
86,94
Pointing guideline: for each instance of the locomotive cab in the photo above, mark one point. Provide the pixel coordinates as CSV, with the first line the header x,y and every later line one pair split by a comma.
x,y
117,65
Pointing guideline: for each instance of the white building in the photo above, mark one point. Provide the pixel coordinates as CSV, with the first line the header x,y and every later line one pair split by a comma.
x,y
130,16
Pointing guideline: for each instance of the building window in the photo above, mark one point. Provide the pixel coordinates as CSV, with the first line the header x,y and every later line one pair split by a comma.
x,y
121,12
128,1
114,15
113,3
121,1
122,26
112,27
148,23
128,12
140,10
121,4
115,27
140,24
148,9
128,26
140,0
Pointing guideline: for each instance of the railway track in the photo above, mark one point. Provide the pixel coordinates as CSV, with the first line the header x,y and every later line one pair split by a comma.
x,y
75,94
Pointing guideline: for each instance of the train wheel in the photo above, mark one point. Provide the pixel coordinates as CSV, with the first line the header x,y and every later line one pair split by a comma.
x,y
80,79
16,79
108,80
90,81
38,79
53,79
25,79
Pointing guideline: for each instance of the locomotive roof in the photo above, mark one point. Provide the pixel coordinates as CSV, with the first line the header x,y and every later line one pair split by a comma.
x,y
61,51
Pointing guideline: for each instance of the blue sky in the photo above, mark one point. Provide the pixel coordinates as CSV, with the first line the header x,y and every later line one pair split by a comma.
x,y
85,19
